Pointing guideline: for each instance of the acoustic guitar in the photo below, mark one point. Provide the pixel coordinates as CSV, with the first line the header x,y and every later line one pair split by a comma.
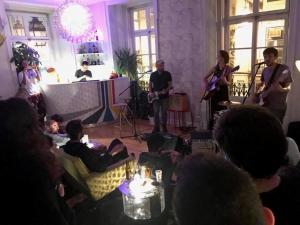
x,y
213,84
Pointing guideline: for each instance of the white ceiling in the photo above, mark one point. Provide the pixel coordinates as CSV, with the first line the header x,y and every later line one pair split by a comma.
x,y
54,2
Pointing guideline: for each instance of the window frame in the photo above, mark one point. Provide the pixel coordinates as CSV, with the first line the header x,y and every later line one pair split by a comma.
x,y
225,20
27,38
145,32
25,16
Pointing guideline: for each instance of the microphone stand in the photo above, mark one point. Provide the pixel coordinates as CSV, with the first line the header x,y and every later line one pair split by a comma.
x,y
134,84
251,84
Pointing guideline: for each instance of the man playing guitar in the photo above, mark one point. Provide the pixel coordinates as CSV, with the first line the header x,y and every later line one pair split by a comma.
x,y
224,72
275,84
160,82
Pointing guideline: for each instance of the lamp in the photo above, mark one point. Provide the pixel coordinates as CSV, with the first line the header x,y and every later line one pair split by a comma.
x,y
142,199
297,63
37,28
74,21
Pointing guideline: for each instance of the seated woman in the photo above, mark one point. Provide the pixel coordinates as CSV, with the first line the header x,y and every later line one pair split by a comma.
x,y
95,160
52,130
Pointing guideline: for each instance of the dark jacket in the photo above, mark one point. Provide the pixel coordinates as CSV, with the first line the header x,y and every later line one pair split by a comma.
x,y
284,200
29,196
93,160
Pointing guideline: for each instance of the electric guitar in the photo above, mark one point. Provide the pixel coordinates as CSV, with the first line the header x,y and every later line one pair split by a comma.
x,y
155,95
213,84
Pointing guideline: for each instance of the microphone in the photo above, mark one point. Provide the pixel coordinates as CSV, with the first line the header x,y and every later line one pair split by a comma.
x,y
258,64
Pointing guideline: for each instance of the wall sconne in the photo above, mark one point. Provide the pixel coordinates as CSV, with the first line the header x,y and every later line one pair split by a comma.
x,y
297,63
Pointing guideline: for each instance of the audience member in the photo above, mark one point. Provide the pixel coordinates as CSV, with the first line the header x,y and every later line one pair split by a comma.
x,y
94,160
293,152
52,130
29,173
59,119
254,140
29,79
212,191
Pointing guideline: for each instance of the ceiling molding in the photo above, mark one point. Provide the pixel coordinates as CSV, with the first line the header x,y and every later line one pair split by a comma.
x,y
32,7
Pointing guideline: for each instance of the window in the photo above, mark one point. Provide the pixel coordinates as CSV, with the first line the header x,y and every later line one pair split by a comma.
x,y
144,40
250,26
31,29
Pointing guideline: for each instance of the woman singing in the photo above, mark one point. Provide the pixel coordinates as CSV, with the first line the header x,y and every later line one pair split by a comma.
x,y
223,73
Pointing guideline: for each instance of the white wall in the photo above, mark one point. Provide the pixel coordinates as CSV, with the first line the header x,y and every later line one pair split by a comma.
x,y
100,14
187,43
62,52
8,79
118,18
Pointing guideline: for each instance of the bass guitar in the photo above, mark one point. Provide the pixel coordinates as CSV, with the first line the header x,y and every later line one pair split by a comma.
x,y
213,84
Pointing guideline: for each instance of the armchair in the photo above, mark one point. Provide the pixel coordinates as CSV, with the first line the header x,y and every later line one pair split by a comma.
x,y
95,184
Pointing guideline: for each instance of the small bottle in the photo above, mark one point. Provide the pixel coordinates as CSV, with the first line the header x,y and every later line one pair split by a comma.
x,y
95,49
143,172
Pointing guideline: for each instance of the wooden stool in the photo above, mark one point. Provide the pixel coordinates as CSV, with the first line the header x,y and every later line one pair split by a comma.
x,y
124,109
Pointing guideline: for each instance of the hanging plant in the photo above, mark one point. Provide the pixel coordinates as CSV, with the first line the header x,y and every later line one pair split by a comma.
x,y
22,52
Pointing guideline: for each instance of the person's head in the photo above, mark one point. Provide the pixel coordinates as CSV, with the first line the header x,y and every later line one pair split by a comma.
x,y
160,65
52,126
74,129
25,64
212,191
34,66
21,137
270,55
59,119
223,57
252,138
85,65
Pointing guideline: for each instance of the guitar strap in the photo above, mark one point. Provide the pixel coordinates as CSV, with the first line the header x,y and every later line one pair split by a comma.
x,y
272,76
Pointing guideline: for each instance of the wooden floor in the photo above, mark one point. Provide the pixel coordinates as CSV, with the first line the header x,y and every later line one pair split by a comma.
x,y
105,133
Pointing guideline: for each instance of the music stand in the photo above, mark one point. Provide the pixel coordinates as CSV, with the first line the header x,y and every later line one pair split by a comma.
x,y
251,84
134,84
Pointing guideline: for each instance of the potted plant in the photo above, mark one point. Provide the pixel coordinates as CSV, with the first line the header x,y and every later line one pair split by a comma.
x,y
22,52
126,63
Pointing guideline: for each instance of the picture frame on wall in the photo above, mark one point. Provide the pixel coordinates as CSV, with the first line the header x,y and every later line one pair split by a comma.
x,y
274,33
